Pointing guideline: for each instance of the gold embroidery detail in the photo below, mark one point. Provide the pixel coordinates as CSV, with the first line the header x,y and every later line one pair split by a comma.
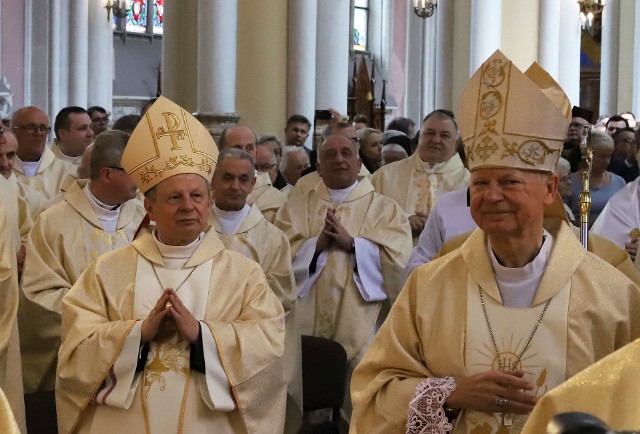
x,y
494,73
173,122
342,212
109,238
490,104
166,357
486,148
532,152
489,127
181,160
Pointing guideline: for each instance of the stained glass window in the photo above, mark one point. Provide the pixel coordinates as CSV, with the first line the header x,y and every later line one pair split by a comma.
x,y
137,17
360,24
158,16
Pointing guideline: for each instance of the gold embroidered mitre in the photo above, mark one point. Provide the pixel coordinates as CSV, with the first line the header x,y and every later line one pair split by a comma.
x,y
168,141
507,121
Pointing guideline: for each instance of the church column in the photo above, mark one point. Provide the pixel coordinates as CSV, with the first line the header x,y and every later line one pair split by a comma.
x,y
486,30
609,58
301,59
55,64
100,82
635,103
569,52
428,70
549,37
217,46
332,55
78,53
444,55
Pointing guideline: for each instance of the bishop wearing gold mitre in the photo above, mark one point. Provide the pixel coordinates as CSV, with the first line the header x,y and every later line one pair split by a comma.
x,y
477,336
173,333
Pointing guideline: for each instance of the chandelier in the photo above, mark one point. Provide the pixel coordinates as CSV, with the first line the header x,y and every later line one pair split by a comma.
x,y
589,11
424,8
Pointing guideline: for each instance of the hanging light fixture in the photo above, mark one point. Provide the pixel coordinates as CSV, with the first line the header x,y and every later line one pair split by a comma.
x,y
589,11
424,8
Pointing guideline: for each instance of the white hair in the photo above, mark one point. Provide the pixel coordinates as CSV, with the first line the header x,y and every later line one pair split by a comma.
x,y
394,147
288,150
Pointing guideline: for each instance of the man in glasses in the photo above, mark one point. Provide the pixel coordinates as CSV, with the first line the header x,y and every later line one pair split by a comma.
x,y
95,217
99,119
36,164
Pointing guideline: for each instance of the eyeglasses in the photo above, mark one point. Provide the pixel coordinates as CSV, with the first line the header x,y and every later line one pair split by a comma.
x,y
33,128
264,167
100,120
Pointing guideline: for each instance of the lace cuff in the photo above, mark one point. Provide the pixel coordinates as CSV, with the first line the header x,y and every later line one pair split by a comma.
x,y
426,409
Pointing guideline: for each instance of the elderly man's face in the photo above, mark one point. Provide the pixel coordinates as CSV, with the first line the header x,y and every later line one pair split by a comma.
x,y
296,133
31,128
297,162
574,133
338,163
233,181
180,209
437,140
266,162
509,202
8,147
564,182
241,137
78,136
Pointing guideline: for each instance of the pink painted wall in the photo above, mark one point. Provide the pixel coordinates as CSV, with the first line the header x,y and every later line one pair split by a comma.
x,y
397,63
12,48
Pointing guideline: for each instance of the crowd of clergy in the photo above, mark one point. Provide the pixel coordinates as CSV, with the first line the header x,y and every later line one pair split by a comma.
x,y
156,280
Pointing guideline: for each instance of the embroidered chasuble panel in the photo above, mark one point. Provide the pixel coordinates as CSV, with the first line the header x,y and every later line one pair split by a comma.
x,y
543,360
167,379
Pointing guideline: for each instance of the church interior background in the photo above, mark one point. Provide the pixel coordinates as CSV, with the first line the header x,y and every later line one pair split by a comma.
x,y
258,61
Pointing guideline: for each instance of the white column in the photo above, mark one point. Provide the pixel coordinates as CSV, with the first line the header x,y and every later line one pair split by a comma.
x,y
444,55
217,28
609,58
55,64
332,54
635,103
486,30
171,49
301,59
100,88
549,37
569,53
78,53
428,74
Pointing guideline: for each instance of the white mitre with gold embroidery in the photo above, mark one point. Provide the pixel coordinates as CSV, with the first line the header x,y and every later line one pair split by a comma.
x,y
508,121
168,141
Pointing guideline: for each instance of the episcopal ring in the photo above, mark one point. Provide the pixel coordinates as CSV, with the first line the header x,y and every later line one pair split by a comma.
x,y
501,401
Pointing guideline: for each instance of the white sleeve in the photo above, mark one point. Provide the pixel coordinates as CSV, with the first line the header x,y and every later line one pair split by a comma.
x,y
430,242
301,263
215,389
119,387
368,277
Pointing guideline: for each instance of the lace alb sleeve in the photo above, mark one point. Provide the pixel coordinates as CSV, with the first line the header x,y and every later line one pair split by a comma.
x,y
426,409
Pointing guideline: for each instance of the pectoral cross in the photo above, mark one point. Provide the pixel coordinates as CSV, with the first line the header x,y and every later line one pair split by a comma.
x,y
173,122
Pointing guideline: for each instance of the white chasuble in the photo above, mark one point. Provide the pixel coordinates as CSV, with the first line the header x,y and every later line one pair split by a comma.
x,y
543,361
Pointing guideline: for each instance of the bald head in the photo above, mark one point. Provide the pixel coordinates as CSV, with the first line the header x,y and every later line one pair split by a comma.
x,y
239,137
8,146
31,127
338,162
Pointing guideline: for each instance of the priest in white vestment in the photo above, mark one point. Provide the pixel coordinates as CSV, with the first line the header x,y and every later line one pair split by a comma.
x,y
95,217
73,132
478,336
267,198
243,229
417,182
37,166
172,333
349,248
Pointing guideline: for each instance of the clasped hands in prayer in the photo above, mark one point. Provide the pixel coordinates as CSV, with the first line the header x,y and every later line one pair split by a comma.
x,y
333,234
417,222
632,248
163,315
480,392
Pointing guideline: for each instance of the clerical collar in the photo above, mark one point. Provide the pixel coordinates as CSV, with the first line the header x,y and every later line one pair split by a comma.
x,y
65,157
339,196
518,286
230,221
177,252
29,167
95,200
429,168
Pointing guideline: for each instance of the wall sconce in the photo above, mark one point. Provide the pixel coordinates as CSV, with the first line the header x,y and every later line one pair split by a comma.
x,y
424,8
590,9
120,9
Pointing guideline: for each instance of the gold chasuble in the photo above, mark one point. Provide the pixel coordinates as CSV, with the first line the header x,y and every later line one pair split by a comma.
x,y
102,314
311,180
10,370
267,198
259,240
334,307
49,176
416,188
439,330
608,390
63,242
